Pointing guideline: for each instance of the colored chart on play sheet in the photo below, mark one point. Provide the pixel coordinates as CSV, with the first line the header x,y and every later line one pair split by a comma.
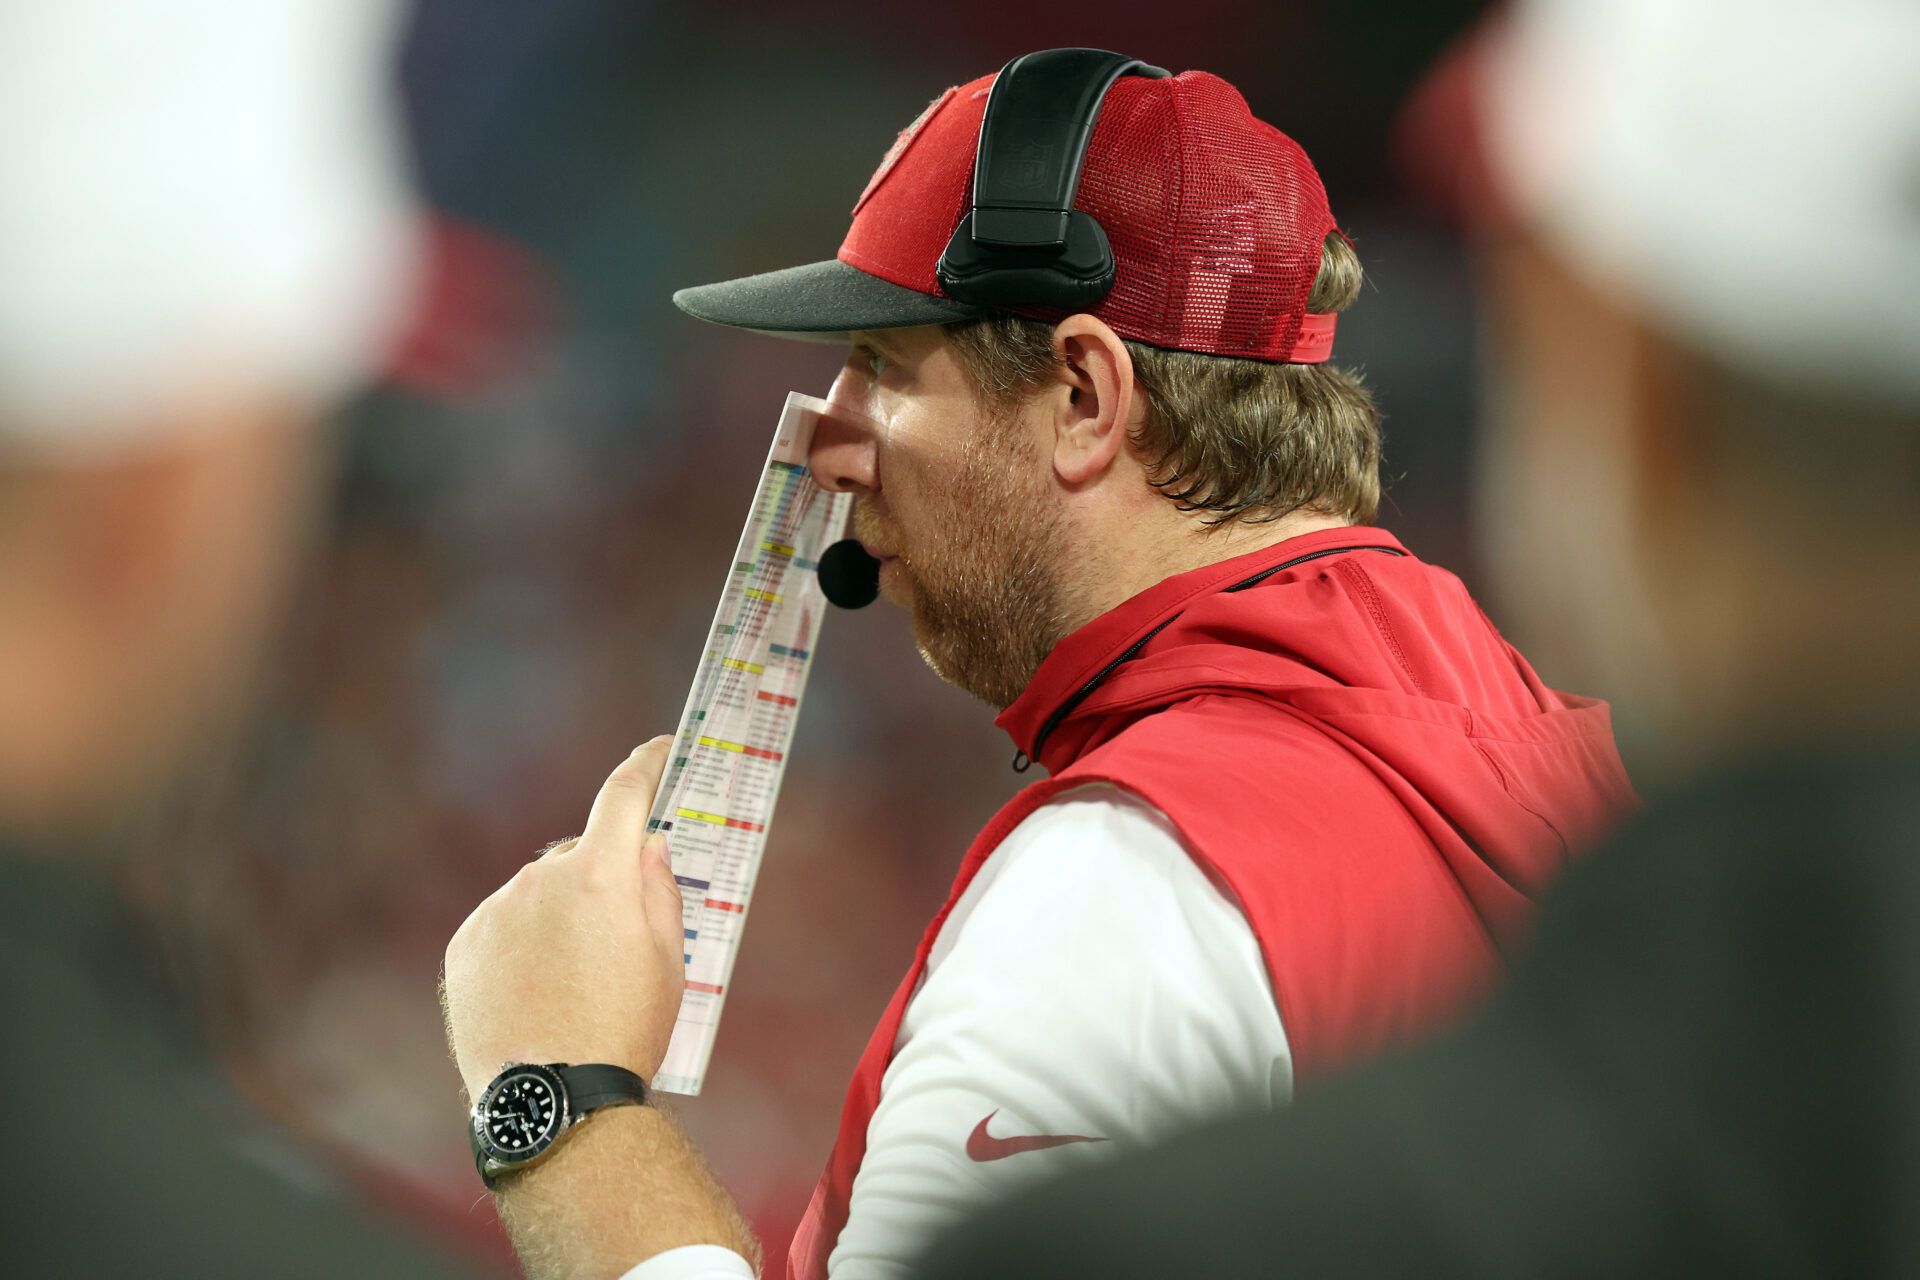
x,y
716,797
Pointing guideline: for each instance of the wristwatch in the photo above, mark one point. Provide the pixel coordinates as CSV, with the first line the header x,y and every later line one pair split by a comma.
x,y
528,1107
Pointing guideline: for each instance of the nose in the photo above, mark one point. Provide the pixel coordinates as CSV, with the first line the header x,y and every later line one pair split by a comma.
x,y
844,455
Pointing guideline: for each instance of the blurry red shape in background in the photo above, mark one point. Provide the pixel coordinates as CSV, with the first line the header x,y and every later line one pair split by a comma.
x,y
488,307
1439,144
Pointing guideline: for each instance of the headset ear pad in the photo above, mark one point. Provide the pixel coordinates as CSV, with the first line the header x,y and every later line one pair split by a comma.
x,y
1073,276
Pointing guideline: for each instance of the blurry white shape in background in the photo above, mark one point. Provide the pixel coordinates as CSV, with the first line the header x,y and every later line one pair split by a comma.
x,y
196,196
1747,170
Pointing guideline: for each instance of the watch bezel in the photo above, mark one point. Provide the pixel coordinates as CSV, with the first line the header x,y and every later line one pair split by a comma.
x,y
562,1115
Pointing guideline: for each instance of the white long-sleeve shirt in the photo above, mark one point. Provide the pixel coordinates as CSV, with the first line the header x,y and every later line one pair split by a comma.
x,y
1092,983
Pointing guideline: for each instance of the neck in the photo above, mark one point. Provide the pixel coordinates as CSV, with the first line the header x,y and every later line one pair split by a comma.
x,y
1804,639
1142,551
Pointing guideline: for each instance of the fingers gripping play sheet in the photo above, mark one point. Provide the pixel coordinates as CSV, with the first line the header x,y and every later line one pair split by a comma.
x,y
716,797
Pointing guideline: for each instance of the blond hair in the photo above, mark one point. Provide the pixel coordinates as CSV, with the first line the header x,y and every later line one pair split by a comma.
x,y
1245,440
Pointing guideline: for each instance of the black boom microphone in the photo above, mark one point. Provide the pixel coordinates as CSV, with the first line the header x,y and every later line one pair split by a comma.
x,y
849,576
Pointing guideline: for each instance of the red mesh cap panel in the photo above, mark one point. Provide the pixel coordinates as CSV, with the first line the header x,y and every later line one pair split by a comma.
x,y
1216,219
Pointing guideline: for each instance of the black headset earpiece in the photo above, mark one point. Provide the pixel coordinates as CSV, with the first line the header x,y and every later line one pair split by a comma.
x,y
1023,244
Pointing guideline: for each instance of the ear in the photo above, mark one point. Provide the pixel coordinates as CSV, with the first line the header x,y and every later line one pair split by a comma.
x,y
1094,409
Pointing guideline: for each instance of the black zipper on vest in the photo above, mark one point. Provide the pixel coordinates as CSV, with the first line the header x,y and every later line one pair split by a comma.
x,y
1022,761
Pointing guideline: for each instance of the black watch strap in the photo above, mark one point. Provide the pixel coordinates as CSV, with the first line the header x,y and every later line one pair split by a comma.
x,y
601,1084
589,1087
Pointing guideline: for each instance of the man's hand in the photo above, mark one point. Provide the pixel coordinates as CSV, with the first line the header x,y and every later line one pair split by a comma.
x,y
578,957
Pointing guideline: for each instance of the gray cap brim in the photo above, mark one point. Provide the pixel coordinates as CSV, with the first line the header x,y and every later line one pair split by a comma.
x,y
821,302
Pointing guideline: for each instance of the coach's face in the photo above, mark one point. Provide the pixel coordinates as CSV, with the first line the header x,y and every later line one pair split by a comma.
x,y
959,506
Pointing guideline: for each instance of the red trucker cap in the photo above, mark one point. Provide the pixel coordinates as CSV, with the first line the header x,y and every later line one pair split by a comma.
x,y
1216,221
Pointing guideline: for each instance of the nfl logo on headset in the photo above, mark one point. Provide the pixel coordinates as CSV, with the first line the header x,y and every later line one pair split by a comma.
x,y
1027,165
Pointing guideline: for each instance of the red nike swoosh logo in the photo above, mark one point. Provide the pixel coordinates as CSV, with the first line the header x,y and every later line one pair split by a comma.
x,y
983,1146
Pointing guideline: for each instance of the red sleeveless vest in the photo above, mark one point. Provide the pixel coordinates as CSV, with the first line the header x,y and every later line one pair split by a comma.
x,y
1342,737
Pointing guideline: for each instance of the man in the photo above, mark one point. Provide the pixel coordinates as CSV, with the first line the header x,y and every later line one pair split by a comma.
x,y
204,242
1301,790
1706,1063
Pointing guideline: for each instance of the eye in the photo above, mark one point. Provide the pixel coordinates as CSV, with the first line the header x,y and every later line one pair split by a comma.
x,y
876,363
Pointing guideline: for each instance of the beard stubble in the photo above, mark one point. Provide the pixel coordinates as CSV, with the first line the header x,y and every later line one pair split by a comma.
x,y
984,569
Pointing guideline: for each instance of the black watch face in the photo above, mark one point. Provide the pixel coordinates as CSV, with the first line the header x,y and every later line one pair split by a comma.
x,y
521,1114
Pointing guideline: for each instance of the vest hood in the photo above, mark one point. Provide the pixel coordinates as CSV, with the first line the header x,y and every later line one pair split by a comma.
x,y
1388,655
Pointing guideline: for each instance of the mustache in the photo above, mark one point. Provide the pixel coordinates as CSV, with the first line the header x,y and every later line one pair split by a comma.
x,y
870,527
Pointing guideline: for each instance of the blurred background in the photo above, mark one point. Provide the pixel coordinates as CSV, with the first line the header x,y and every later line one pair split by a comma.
x,y
536,509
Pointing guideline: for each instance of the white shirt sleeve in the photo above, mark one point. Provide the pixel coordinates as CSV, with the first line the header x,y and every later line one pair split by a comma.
x,y
694,1262
1092,990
